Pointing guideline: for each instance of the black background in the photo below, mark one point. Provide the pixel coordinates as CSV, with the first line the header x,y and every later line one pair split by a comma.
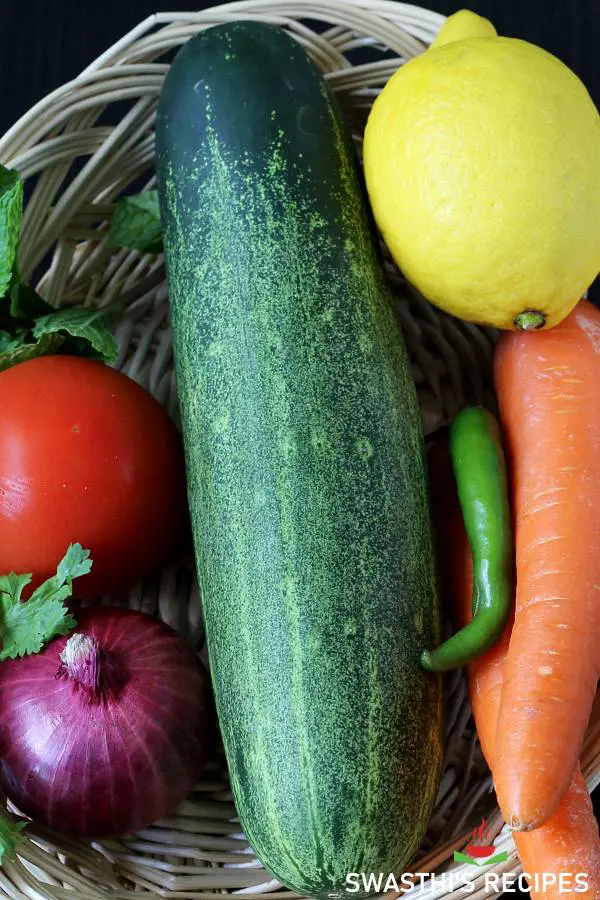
x,y
44,43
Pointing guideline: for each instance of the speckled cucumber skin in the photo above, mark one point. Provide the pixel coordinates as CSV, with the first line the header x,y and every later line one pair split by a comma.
x,y
305,463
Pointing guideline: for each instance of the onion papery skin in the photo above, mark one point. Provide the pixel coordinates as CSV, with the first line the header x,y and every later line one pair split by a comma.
x,y
107,762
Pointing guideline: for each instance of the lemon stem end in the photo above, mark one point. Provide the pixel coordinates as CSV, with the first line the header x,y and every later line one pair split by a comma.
x,y
530,320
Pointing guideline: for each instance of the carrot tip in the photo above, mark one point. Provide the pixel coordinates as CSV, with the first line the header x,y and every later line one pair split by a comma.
x,y
522,827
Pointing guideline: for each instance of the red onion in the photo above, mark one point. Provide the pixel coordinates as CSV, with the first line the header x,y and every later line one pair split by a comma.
x,y
104,732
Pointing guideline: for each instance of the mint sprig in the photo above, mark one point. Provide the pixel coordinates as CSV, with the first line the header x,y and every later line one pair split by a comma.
x,y
29,326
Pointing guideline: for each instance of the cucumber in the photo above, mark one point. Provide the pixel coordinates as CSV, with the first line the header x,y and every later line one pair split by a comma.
x,y
305,461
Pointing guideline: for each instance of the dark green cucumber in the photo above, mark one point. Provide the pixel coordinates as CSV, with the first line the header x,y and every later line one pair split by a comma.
x,y
305,461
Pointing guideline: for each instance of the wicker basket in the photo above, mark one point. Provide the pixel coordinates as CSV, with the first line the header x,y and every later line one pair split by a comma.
x,y
79,153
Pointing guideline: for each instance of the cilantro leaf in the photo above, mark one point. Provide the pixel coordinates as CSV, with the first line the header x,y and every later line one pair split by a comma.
x,y
26,627
9,836
136,223
75,563
11,212
88,327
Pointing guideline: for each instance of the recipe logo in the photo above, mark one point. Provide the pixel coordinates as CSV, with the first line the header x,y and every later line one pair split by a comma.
x,y
481,852
493,883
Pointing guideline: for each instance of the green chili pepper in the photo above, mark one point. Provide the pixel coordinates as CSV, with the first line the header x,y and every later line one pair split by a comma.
x,y
480,473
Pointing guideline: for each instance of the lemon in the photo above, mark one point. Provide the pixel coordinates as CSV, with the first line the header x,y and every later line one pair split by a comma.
x,y
482,162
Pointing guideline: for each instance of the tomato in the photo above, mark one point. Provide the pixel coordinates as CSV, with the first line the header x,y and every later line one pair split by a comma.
x,y
86,455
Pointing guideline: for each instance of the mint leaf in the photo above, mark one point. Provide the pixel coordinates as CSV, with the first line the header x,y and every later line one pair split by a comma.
x,y
11,212
79,332
9,836
26,627
11,341
86,331
13,288
25,302
21,349
136,223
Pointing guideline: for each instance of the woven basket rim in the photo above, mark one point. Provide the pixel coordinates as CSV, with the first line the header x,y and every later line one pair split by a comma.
x,y
450,360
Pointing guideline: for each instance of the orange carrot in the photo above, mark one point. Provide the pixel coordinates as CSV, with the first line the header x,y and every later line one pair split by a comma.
x,y
569,843
548,387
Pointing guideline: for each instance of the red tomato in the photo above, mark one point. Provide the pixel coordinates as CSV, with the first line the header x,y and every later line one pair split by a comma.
x,y
86,455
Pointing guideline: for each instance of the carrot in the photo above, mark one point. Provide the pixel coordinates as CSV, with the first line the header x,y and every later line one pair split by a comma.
x,y
569,843
548,391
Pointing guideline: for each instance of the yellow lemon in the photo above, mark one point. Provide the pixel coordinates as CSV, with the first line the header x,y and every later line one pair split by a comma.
x,y
482,162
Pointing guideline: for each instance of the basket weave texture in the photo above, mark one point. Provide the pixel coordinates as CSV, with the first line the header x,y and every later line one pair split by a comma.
x,y
79,149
